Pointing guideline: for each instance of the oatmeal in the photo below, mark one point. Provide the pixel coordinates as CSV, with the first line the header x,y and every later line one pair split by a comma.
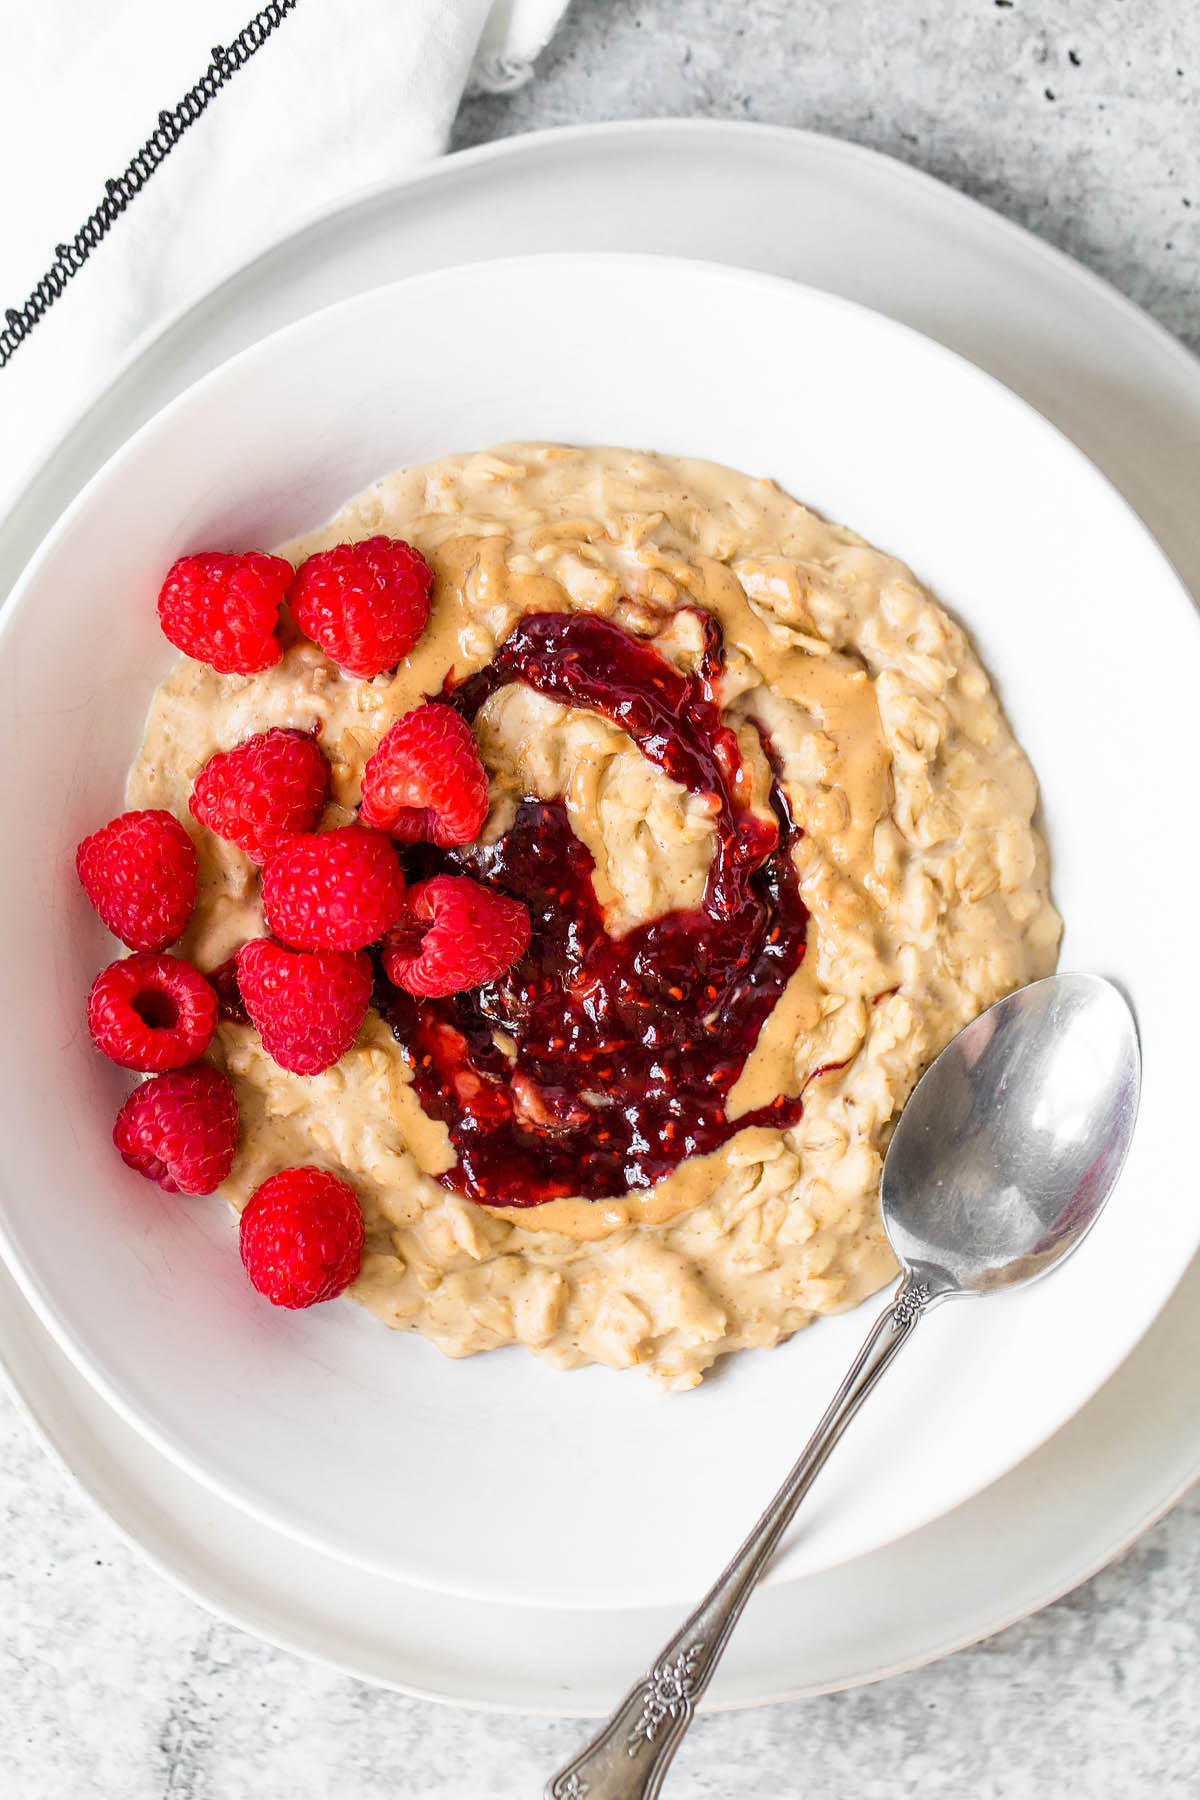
x,y
818,765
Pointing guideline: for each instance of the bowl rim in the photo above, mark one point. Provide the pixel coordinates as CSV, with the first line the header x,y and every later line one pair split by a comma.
x,y
61,1327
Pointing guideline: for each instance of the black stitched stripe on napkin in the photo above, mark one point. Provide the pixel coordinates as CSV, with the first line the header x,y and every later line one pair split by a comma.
x,y
227,59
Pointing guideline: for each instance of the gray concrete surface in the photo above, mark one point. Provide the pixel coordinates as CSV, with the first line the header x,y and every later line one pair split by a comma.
x,y
1078,118
1081,121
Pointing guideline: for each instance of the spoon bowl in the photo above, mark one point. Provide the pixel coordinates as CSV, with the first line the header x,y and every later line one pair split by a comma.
x,y
1013,1137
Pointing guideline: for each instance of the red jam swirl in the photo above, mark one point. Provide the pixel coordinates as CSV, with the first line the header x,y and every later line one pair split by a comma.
x,y
625,1048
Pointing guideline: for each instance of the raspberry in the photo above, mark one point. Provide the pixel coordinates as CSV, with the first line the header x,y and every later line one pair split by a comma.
x,y
365,604
264,791
308,1005
139,872
339,890
301,1237
223,609
151,1012
425,782
180,1129
473,934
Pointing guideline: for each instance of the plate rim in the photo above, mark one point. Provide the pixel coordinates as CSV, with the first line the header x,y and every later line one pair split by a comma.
x,y
793,143
172,1569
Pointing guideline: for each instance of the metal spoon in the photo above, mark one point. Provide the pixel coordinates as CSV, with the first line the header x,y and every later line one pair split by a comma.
x,y
1001,1161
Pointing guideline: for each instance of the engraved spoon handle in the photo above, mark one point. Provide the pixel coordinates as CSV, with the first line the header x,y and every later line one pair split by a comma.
x,y
628,1757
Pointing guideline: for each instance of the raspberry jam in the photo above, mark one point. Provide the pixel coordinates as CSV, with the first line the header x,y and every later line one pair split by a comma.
x,y
625,1048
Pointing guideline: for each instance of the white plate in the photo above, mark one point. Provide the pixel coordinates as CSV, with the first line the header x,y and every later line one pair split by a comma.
x,y
373,1447
1049,1523
1126,391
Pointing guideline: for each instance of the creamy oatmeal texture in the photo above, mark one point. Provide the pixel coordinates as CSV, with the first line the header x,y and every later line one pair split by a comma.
x,y
925,880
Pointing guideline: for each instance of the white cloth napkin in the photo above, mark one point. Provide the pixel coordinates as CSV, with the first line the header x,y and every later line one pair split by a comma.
x,y
344,93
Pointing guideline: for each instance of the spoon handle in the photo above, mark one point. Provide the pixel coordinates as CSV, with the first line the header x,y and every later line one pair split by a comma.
x,y
628,1757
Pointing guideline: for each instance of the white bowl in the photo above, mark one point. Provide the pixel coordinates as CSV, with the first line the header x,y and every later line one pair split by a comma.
x,y
496,1476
